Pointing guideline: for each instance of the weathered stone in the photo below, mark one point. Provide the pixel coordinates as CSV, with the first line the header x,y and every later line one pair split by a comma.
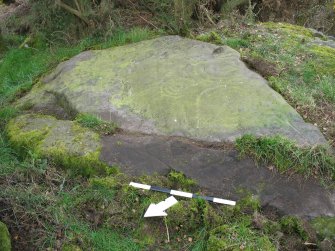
x,y
176,87
65,142
222,172
5,243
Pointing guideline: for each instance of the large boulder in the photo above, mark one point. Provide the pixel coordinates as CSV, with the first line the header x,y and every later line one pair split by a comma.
x,y
173,86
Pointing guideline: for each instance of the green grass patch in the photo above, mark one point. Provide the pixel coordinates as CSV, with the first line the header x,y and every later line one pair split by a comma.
x,y
105,213
236,43
291,225
287,156
307,71
211,37
95,123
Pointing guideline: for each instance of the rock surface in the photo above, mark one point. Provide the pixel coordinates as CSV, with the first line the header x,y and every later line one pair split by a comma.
x,y
219,171
65,142
173,86
178,90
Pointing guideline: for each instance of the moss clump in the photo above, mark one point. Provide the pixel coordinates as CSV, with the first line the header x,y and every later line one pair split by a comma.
x,y
286,155
71,247
211,37
324,227
98,125
290,29
185,215
23,137
64,142
5,244
247,204
324,59
179,180
237,237
292,225
108,182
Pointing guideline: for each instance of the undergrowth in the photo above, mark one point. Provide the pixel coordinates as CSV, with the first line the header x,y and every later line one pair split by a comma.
x,y
57,211
21,67
287,156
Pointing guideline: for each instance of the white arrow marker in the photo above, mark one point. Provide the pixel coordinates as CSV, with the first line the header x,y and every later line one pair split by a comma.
x,y
158,209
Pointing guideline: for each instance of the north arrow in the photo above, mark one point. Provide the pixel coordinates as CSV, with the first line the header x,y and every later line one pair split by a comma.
x,y
158,209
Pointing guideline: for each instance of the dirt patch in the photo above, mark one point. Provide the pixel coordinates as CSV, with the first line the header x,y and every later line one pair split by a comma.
x,y
263,67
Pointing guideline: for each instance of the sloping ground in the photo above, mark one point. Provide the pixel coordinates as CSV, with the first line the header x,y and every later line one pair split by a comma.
x,y
176,87
220,172
114,206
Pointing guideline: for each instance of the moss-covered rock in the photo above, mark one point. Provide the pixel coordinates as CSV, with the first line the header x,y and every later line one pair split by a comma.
x,y
5,243
175,86
64,142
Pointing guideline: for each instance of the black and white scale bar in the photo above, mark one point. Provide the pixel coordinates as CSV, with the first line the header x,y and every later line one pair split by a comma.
x,y
182,194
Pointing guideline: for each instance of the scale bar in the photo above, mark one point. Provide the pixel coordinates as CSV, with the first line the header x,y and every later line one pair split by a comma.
x,y
182,194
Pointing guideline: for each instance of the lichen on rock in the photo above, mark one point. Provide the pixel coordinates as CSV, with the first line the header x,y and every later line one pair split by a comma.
x,y
64,142
174,86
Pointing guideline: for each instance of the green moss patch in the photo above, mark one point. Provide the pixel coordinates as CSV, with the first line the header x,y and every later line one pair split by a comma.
x,y
324,59
290,29
325,227
211,37
64,142
5,243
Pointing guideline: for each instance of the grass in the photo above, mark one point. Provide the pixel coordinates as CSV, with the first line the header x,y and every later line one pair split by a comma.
x,y
303,73
287,156
31,63
103,213
307,71
95,123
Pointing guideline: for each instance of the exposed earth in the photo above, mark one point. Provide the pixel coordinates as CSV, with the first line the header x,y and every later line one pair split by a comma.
x,y
177,102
